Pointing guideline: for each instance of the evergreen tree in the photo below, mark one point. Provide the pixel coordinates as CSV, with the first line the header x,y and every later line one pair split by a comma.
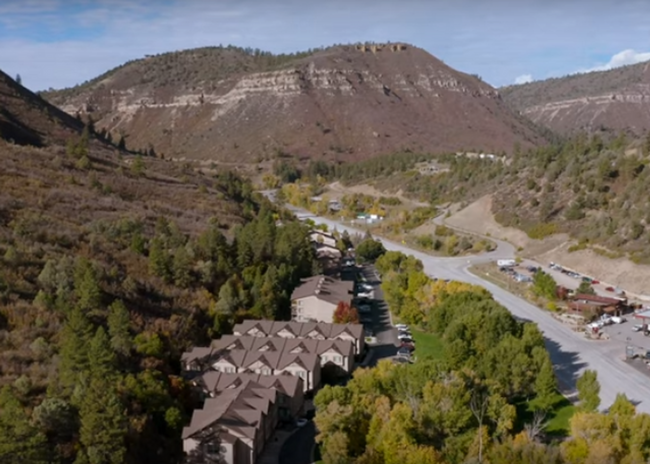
x,y
545,387
101,357
121,144
588,391
75,338
119,323
86,285
159,262
182,267
20,442
103,424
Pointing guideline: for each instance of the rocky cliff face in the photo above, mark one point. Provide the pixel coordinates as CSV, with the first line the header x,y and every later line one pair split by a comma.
x,y
342,103
618,99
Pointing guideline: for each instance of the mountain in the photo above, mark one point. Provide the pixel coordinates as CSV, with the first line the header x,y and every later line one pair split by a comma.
x,y
28,119
618,99
343,103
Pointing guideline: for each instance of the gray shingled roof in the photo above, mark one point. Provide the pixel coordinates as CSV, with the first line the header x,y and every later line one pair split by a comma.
x,y
324,288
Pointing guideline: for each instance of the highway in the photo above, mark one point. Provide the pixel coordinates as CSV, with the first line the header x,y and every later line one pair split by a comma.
x,y
571,352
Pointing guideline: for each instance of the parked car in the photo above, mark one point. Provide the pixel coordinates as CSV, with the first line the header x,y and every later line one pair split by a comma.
x,y
364,308
405,352
409,346
609,289
403,336
618,319
637,327
366,287
301,422
402,327
410,341
595,282
365,295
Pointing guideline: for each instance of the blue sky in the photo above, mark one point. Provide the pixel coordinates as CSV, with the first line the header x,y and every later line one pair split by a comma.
x,y
60,43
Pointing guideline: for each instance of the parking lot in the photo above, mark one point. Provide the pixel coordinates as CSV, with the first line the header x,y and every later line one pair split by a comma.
x,y
379,320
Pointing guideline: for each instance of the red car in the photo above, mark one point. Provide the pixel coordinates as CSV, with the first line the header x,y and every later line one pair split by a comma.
x,y
610,289
409,346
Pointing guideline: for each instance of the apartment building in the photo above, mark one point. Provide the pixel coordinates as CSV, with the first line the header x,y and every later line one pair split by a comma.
x,y
307,330
234,426
290,388
241,361
339,353
316,298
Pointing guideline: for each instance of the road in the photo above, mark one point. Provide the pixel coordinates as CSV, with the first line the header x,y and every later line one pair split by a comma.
x,y
386,346
298,447
570,352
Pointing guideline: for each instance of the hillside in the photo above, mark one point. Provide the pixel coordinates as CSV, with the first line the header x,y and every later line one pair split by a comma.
x,y
342,103
617,99
111,265
27,119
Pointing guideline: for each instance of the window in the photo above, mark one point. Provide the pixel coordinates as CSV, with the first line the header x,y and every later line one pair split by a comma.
x,y
266,371
301,374
338,359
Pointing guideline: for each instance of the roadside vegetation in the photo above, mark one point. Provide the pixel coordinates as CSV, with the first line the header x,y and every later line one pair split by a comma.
x,y
486,391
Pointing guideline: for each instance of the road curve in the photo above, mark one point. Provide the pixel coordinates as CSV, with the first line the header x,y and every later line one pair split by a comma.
x,y
570,352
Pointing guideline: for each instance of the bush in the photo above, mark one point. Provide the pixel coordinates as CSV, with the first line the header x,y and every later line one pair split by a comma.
x,y
542,230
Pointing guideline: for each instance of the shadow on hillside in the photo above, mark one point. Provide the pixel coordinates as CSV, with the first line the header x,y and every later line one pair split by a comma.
x,y
567,366
12,129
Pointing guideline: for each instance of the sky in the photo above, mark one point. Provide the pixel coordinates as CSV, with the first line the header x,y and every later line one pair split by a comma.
x,y
61,43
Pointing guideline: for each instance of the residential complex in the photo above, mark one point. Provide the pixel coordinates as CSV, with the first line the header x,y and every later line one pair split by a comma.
x,y
309,330
256,378
316,298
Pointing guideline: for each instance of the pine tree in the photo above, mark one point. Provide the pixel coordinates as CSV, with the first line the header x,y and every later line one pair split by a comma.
x,y
75,337
588,391
119,323
545,387
121,144
103,424
19,80
159,264
86,285
20,442
182,267
101,357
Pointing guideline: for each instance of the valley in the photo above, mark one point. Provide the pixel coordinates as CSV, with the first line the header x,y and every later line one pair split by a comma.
x,y
206,253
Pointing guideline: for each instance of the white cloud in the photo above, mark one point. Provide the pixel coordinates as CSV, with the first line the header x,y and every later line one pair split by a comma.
x,y
624,58
524,79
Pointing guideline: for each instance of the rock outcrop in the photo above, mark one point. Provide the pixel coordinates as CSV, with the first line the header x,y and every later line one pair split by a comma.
x,y
617,99
330,103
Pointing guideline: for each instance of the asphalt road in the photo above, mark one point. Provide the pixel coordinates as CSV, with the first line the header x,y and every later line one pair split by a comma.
x,y
386,334
298,447
571,352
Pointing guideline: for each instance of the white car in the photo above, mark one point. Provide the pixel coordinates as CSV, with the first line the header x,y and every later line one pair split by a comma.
x,y
404,336
365,295
301,422
618,319
402,327
366,287
637,327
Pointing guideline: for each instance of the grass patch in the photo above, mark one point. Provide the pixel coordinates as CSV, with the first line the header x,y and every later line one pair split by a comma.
x,y
427,345
558,418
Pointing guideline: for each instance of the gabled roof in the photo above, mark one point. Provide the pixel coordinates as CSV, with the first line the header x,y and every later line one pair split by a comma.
x,y
324,288
214,381
302,329
240,410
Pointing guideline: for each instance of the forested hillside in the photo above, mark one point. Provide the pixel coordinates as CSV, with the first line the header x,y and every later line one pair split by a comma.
x,y
111,267
591,187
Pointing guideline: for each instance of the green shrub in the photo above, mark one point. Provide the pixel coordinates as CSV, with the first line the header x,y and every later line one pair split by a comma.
x,y
542,230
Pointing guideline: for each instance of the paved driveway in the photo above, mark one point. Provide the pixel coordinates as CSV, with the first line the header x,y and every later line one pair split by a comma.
x,y
571,352
298,447
386,334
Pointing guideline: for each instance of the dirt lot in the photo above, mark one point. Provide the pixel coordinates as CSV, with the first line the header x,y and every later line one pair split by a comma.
x,y
623,273
336,190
